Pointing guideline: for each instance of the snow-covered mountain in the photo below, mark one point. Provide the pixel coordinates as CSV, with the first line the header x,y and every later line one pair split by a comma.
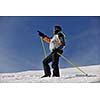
x,y
68,75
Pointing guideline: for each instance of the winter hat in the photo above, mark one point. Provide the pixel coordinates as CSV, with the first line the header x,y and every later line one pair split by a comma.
x,y
58,28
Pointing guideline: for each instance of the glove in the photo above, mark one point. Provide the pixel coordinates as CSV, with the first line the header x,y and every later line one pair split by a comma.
x,y
55,50
41,34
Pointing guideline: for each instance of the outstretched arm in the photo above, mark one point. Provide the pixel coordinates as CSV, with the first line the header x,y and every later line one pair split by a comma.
x,y
45,37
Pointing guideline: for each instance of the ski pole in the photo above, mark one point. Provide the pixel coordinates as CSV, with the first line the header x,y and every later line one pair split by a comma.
x,y
44,50
70,62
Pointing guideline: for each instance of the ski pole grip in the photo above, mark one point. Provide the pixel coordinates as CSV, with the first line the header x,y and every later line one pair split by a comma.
x,y
39,32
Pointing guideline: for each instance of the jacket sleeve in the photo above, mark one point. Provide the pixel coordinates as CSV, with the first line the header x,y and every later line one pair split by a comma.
x,y
46,39
61,37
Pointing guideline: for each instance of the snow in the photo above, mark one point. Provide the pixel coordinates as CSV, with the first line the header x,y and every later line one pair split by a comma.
x,y
68,75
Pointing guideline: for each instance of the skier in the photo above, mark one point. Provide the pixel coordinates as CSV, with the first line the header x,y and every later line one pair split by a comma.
x,y
56,44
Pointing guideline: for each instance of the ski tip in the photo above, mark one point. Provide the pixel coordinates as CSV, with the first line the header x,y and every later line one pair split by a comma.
x,y
86,74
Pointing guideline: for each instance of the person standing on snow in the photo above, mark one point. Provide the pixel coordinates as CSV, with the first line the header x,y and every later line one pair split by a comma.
x,y
56,44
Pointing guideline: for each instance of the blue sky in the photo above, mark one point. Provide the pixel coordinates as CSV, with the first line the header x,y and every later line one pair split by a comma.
x,y
20,46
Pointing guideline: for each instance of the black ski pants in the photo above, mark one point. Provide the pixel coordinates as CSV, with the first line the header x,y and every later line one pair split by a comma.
x,y
54,58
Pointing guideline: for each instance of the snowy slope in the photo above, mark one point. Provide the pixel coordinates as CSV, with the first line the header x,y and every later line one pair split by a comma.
x,y
68,75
